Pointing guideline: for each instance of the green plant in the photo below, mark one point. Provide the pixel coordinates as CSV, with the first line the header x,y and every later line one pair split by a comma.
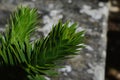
x,y
21,59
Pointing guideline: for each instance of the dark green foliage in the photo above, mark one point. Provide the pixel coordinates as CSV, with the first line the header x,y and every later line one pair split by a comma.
x,y
34,60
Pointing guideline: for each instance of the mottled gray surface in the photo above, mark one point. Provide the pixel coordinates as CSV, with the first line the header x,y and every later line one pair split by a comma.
x,y
91,16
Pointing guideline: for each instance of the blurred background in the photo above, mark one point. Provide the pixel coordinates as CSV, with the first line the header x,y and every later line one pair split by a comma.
x,y
99,18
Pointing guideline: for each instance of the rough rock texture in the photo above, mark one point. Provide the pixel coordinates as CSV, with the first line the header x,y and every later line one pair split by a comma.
x,y
91,16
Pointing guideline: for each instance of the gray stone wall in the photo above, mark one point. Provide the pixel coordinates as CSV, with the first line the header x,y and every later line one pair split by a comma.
x,y
91,16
